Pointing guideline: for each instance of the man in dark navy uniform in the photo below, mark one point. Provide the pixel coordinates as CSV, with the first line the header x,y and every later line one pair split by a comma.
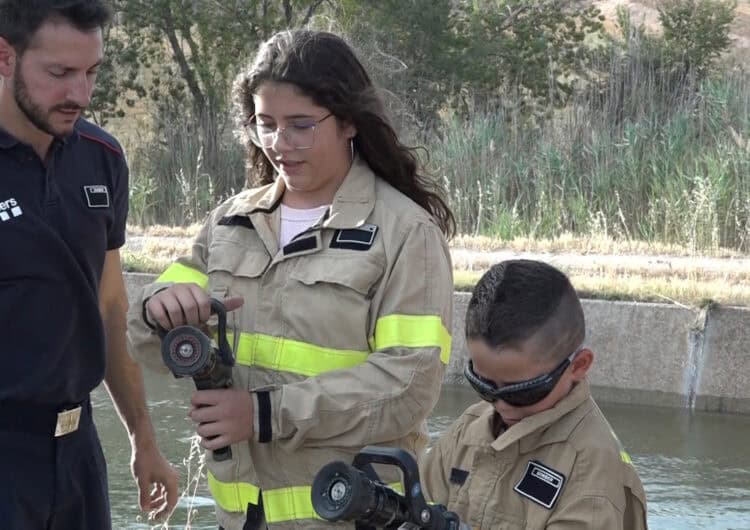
x,y
63,205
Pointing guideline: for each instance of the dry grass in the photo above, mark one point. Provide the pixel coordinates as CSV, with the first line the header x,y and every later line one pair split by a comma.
x,y
682,291
136,262
154,248
605,269
164,231
619,270
584,245
566,243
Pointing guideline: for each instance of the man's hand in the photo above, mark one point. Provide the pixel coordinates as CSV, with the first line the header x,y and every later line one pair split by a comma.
x,y
224,417
156,480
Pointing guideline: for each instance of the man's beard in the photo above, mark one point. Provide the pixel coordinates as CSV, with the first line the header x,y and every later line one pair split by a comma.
x,y
33,112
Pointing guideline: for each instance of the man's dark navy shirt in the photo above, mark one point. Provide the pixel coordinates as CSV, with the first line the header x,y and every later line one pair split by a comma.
x,y
57,220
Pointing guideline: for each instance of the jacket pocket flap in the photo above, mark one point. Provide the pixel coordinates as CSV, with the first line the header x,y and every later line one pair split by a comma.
x,y
352,272
235,260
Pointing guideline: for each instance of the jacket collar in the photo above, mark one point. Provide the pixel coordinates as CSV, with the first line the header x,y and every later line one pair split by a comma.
x,y
355,198
535,430
352,204
270,199
479,431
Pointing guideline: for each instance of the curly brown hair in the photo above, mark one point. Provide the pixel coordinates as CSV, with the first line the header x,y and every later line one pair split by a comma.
x,y
326,69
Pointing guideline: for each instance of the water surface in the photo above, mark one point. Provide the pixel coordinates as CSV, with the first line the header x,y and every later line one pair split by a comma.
x,y
695,466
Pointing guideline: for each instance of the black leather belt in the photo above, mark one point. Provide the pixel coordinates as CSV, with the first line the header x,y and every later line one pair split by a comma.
x,y
42,419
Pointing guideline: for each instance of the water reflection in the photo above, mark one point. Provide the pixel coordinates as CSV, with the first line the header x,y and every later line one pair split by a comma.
x,y
695,467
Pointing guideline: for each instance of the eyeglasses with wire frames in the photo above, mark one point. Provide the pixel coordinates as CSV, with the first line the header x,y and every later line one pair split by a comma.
x,y
521,393
299,134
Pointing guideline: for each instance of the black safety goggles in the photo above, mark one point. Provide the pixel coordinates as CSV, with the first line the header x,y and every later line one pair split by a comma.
x,y
522,393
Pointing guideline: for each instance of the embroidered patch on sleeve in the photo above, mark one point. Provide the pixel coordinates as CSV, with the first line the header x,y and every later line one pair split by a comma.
x,y
458,476
360,238
97,196
541,484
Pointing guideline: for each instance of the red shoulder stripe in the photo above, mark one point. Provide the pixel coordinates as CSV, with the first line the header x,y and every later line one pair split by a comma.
x,y
102,142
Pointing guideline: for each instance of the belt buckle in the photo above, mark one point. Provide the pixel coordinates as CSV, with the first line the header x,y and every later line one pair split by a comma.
x,y
67,421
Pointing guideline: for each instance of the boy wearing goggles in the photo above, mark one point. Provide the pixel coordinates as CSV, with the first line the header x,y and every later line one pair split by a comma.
x,y
536,453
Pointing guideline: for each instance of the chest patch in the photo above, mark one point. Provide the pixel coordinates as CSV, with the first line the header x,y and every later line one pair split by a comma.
x,y
541,484
458,476
360,238
97,196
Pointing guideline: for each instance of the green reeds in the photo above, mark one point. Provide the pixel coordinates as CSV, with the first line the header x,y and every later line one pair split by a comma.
x,y
183,169
669,169
642,153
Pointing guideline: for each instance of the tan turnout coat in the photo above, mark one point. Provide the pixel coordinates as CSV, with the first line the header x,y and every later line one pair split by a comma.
x,y
561,469
345,333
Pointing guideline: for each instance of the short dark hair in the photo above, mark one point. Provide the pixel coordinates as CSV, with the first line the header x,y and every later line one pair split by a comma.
x,y
519,299
326,69
21,19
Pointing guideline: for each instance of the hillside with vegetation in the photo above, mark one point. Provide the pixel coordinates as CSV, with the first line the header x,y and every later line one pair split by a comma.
x,y
648,14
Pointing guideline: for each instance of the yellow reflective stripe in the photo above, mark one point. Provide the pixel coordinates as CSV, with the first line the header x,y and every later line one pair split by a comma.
x,y
413,331
624,456
179,273
278,353
282,504
232,496
286,504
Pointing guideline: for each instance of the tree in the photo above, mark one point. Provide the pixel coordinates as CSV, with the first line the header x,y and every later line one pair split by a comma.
x,y
409,47
697,31
453,51
193,48
645,73
536,47
183,55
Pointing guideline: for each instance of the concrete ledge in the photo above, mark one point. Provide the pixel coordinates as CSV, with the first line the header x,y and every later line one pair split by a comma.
x,y
724,380
642,352
633,396
646,354
135,281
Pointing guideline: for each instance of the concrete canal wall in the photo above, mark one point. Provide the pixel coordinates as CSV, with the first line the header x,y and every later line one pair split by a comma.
x,y
646,354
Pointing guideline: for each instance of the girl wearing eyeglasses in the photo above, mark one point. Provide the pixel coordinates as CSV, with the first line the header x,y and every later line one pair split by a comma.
x,y
336,267
536,453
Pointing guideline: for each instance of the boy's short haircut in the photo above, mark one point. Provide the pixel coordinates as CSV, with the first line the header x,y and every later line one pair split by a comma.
x,y
518,299
21,19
